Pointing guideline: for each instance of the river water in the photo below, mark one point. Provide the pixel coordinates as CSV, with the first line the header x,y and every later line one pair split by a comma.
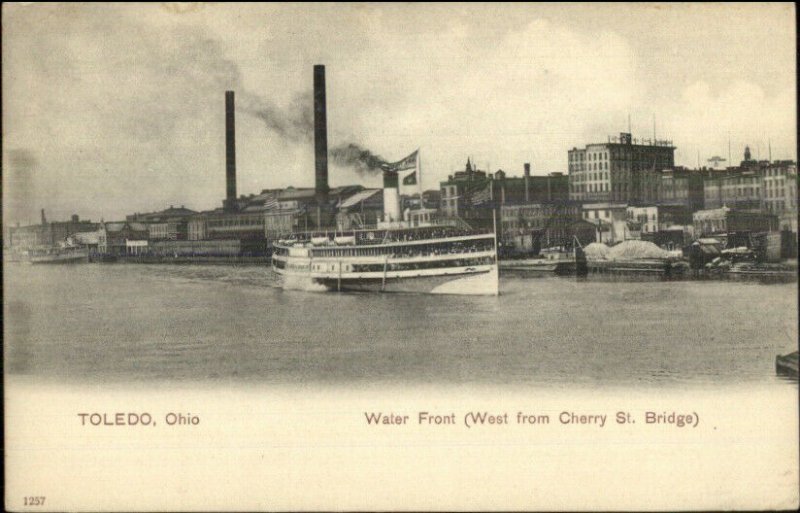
x,y
218,324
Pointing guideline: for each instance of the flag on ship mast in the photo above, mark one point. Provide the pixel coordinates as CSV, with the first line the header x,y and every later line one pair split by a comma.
x,y
409,162
409,180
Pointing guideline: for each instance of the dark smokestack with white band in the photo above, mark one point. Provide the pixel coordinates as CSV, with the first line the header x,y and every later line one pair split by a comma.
x,y
320,134
230,151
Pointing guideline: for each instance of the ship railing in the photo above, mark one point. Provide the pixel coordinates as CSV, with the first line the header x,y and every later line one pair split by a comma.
x,y
389,236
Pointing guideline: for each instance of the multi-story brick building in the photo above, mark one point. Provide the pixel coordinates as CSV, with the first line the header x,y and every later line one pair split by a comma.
x,y
724,220
737,188
463,191
168,224
611,220
756,186
621,170
471,194
780,192
681,186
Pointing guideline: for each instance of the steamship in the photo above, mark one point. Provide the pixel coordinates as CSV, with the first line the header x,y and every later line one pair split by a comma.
x,y
438,260
394,257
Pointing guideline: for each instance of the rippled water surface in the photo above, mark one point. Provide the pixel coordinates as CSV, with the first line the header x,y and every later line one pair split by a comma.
x,y
153,323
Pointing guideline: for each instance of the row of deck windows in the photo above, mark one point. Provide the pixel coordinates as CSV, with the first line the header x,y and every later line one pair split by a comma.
x,y
412,266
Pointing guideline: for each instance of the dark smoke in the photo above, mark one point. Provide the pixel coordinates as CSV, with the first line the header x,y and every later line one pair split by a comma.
x,y
295,123
22,162
212,70
359,158
18,180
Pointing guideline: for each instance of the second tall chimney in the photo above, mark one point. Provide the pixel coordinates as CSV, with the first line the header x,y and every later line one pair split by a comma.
x,y
527,181
320,133
230,151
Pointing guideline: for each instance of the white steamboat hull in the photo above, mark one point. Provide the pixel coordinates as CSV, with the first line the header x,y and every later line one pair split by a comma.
x,y
480,280
462,264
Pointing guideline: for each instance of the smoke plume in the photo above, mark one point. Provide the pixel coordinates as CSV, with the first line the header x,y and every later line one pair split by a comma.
x,y
357,157
18,180
294,124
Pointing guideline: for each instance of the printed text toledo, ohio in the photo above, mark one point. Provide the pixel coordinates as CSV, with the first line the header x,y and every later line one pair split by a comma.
x,y
472,419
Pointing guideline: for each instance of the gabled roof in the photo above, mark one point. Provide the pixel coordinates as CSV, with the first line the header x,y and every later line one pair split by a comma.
x,y
86,237
295,194
119,226
358,197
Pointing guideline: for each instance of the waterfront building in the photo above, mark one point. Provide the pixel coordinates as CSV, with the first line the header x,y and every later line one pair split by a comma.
x,y
652,219
361,210
551,188
47,234
168,224
267,215
545,222
780,192
471,195
660,224
681,186
623,169
431,199
464,192
122,238
725,220
196,248
738,188
758,186
610,220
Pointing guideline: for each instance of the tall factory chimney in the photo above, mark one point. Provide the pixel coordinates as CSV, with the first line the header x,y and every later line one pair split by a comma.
x,y
527,181
320,135
44,219
230,152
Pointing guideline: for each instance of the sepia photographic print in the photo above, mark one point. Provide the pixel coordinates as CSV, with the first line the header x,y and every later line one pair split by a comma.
x,y
404,256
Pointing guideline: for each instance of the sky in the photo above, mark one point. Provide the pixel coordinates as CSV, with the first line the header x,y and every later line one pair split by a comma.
x,y
114,109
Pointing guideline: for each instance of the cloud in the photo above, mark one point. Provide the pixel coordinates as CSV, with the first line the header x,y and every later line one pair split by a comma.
x,y
122,107
706,116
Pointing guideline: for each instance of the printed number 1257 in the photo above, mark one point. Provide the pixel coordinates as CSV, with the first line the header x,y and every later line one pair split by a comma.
x,y
34,501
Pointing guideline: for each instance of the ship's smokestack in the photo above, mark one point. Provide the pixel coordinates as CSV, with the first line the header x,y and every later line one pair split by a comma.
x,y
391,197
320,135
230,151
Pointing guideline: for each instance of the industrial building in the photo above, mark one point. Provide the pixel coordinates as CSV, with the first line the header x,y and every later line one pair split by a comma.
x,y
47,234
